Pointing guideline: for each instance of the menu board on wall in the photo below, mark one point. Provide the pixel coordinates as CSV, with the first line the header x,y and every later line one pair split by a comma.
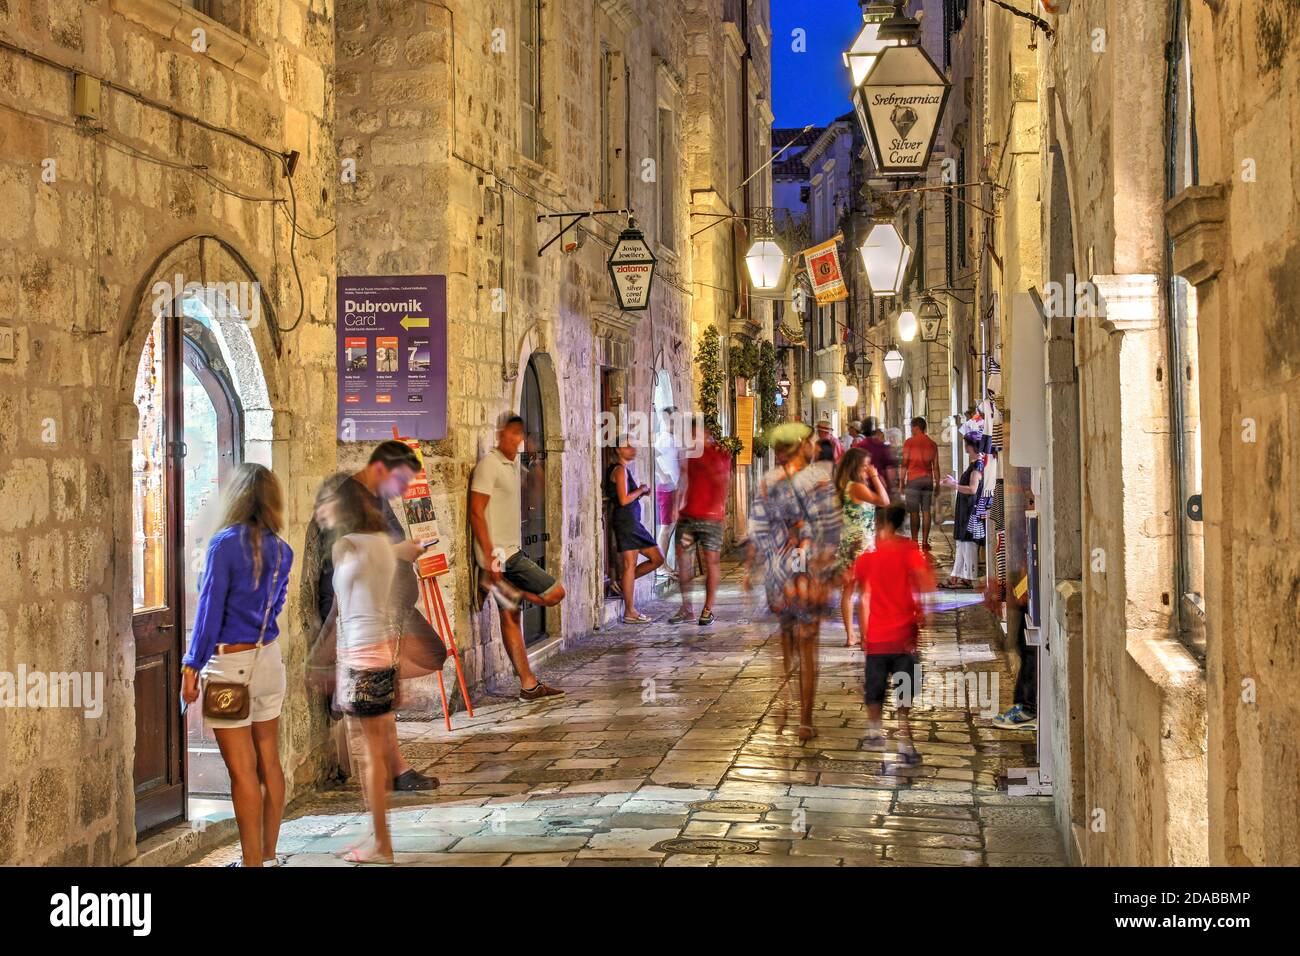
x,y
392,357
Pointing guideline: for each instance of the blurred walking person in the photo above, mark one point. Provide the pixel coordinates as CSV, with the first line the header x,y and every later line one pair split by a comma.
x,y
795,524
364,565
234,646
630,536
921,477
701,517
892,580
860,491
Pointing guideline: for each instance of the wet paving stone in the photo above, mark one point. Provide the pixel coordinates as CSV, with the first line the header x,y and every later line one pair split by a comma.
x,y
607,777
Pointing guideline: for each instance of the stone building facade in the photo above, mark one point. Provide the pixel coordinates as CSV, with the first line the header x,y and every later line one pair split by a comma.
x,y
1136,277
142,140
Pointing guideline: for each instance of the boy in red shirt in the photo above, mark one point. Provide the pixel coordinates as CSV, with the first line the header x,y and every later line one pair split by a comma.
x,y
890,578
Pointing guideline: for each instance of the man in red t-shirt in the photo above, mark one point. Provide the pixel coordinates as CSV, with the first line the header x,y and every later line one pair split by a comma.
x,y
890,578
701,517
920,479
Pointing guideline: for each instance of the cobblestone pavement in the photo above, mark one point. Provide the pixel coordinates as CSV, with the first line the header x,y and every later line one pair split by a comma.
x,y
660,721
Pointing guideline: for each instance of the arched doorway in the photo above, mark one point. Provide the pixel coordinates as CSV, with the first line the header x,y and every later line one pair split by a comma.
x,y
202,408
533,495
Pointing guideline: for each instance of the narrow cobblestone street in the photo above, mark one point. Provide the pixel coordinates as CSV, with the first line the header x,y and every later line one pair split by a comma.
x,y
661,722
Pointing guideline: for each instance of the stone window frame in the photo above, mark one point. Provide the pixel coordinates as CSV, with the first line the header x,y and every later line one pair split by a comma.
x,y
530,114
173,20
668,96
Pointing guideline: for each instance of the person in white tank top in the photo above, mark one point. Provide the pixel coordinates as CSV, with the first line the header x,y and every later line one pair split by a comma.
x,y
364,564
363,576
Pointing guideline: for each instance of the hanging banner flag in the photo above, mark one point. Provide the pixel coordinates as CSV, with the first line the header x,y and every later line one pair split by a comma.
x,y
824,271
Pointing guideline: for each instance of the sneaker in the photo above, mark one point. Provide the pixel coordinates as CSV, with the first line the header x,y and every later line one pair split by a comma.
x,y
909,755
706,617
412,779
682,616
540,692
1016,718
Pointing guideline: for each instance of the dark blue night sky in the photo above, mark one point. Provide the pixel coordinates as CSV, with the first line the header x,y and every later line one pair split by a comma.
x,y
812,87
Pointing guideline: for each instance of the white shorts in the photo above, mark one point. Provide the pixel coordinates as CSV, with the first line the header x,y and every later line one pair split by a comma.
x,y
265,690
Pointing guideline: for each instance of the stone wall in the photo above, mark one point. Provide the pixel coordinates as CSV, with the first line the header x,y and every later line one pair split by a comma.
x,y
1236,239
428,107
93,210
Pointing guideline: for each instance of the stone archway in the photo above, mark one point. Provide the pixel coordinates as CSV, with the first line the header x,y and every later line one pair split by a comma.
x,y
200,302
533,354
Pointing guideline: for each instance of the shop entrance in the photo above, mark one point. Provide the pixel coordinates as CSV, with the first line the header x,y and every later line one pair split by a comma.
x,y
193,430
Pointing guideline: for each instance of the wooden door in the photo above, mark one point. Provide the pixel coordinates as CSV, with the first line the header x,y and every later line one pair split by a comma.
x,y
157,494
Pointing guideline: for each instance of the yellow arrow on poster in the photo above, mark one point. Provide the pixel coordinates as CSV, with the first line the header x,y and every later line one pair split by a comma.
x,y
410,322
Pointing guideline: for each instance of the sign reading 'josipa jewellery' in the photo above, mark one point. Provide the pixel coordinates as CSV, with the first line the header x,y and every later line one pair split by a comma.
x,y
632,268
899,105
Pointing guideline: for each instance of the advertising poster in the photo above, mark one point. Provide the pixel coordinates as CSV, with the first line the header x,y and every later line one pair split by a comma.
x,y
422,520
392,357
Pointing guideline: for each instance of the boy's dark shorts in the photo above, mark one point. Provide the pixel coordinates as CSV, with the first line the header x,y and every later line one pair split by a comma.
x,y
881,669
526,575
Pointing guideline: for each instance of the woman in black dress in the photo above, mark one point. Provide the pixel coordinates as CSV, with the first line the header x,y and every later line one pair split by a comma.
x,y
630,536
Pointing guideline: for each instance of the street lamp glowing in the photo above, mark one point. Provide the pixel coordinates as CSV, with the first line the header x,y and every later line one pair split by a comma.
x,y
907,325
766,263
860,57
894,364
818,388
886,258
850,394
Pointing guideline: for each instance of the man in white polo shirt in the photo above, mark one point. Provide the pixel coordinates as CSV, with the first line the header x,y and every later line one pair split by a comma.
x,y
494,517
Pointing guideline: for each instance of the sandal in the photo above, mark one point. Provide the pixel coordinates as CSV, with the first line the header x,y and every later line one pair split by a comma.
x,y
637,618
354,856
807,731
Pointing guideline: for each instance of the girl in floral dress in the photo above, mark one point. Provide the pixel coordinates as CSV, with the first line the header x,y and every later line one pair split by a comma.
x,y
859,490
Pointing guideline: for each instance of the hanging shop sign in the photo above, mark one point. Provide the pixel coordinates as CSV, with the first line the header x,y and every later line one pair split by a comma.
x,y
632,269
824,271
899,105
392,357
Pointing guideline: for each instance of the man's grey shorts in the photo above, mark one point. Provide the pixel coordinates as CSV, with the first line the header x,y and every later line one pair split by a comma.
x,y
526,575
919,494
692,531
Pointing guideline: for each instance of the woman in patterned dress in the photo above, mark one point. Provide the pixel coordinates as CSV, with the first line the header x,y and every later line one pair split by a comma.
x,y
859,490
795,523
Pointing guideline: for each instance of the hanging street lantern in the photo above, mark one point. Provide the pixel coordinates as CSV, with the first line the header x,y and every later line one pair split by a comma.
x,y
765,259
861,56
886,256
632,269
766,263
850,395
907,325
894,364
819,388
900,100
931,315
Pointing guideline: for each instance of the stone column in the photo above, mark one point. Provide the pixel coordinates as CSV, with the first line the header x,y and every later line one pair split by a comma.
x,y
1195,221
1164,697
